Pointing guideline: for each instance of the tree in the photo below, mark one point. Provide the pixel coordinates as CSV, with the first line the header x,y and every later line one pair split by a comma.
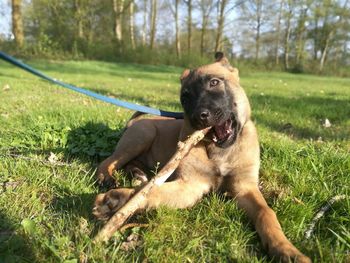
x,y
118,10
205,6
175,13
144,26
189,25
131,24
79,18
221,20
278,33
301,29
153,27
17,24
288,17
255,12
333,17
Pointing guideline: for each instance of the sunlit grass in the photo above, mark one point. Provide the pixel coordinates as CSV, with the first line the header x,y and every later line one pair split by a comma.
x,y
45,204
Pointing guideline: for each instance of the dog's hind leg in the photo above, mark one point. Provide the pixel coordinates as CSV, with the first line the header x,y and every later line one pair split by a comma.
x,y
136,139
137,171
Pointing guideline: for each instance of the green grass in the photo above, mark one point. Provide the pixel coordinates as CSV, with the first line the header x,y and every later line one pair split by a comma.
x,y
45,206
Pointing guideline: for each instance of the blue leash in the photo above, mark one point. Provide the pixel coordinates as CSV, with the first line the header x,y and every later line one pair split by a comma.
x,y
124,104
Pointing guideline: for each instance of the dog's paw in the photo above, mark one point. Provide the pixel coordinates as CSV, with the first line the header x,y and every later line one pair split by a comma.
x,y
108,203
139,177
104,179
286,252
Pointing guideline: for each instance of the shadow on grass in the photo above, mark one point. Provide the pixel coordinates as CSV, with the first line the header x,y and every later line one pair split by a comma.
x,y
92,142
74,204
13,246
296,115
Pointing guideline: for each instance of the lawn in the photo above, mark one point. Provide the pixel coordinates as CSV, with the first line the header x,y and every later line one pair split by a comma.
x,y
52,139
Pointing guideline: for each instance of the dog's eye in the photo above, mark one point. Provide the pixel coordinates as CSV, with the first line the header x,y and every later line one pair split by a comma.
x,y
214,82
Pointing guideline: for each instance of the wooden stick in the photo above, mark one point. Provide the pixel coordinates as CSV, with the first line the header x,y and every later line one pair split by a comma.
x,y
321,213
139,200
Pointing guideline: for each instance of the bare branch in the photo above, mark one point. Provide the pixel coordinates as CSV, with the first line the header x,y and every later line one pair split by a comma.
x,y
139,200
321,213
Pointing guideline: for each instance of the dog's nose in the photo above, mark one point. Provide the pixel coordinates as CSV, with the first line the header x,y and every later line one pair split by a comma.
x,y
204,115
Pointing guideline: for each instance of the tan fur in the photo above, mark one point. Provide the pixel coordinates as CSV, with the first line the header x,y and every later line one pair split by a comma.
x,y
233,170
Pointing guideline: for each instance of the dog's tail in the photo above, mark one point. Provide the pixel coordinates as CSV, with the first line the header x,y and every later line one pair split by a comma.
x,y
136,116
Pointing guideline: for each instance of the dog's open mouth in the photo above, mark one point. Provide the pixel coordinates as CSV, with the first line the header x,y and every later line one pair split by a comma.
x,y
222,132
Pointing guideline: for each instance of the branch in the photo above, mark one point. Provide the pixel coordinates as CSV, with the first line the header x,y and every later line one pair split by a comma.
x,y
139,200
321,213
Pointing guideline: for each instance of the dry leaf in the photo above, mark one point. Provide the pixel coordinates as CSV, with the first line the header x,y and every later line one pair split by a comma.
x,y
6,87
52,158
326,123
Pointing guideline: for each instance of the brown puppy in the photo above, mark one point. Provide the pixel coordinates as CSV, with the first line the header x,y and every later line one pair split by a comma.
x,y
226,160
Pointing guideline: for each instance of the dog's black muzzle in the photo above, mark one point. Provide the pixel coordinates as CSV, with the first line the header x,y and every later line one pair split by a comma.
x,y
225,125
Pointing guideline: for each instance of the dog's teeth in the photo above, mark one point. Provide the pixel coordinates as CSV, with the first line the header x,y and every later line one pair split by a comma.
x,y
215,139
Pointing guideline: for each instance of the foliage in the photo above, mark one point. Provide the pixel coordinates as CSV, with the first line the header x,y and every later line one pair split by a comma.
x,y
307,36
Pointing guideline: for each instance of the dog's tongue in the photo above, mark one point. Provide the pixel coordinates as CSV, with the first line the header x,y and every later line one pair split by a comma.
x,y
223,130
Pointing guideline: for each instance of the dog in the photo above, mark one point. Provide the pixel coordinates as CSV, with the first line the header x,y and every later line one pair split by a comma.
x,y
226,160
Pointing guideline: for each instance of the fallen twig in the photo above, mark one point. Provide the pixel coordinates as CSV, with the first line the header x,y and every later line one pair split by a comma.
x,y
138,201
132,225
8,185
44,162
321,213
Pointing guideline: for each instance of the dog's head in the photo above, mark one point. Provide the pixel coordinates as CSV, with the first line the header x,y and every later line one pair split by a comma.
x,y
211,96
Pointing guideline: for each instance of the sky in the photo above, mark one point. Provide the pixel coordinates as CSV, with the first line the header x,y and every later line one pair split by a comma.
x,y
5,17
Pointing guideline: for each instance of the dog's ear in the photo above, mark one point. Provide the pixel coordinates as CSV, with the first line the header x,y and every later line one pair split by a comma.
x,y
184,75
220,57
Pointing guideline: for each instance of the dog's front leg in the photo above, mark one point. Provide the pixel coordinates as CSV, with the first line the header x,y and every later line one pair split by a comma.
x,y
279,247
178,194
175,194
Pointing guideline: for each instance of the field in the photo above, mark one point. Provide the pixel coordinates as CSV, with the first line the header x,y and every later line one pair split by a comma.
x,y
51,140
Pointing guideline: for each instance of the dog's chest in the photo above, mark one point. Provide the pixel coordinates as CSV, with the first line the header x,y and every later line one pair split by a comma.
x,y
222,160
223,163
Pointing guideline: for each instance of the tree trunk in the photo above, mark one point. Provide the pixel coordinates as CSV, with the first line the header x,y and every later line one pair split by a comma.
x,y
300,35
205,8
325,51
153,23
17,24
221,20
177,37
286,47
286,39
329,36
144,26
258,29
79,20
118,9
131,24
315,37
278,34
203,31
189,26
